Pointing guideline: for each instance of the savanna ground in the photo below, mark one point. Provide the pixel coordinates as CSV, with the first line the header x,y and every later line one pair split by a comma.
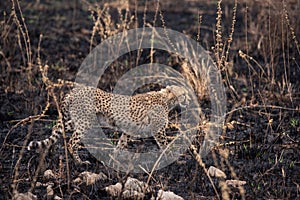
x,y
255,47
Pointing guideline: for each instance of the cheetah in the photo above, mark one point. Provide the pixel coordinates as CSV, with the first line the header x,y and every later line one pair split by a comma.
x,y
145,113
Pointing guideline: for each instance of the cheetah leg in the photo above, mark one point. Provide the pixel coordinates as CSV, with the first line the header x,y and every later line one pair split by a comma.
x,y
173,142
123,141
161,139
73,147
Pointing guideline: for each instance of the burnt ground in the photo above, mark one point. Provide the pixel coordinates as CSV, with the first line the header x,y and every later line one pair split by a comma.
x,y
263,111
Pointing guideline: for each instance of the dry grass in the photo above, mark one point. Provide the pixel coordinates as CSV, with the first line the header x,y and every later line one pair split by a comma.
x,y
257,57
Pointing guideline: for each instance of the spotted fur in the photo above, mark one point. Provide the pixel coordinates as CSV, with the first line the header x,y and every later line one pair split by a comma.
x,y
141,113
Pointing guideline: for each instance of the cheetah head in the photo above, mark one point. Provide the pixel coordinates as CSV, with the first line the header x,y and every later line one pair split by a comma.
x,y
177,95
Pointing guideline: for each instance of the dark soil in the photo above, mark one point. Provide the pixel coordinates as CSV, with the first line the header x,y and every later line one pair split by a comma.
x,y
262,138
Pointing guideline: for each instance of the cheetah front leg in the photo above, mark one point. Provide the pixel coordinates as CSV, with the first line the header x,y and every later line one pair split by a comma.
x,y
161,139
123,141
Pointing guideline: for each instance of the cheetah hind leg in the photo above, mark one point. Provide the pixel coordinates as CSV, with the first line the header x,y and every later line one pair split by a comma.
x,y
73,147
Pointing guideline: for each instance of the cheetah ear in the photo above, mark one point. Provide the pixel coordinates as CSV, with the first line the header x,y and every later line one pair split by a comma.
x,y
169,88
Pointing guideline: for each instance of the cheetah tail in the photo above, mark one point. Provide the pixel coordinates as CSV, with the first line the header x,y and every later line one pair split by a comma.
x,y
47,143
